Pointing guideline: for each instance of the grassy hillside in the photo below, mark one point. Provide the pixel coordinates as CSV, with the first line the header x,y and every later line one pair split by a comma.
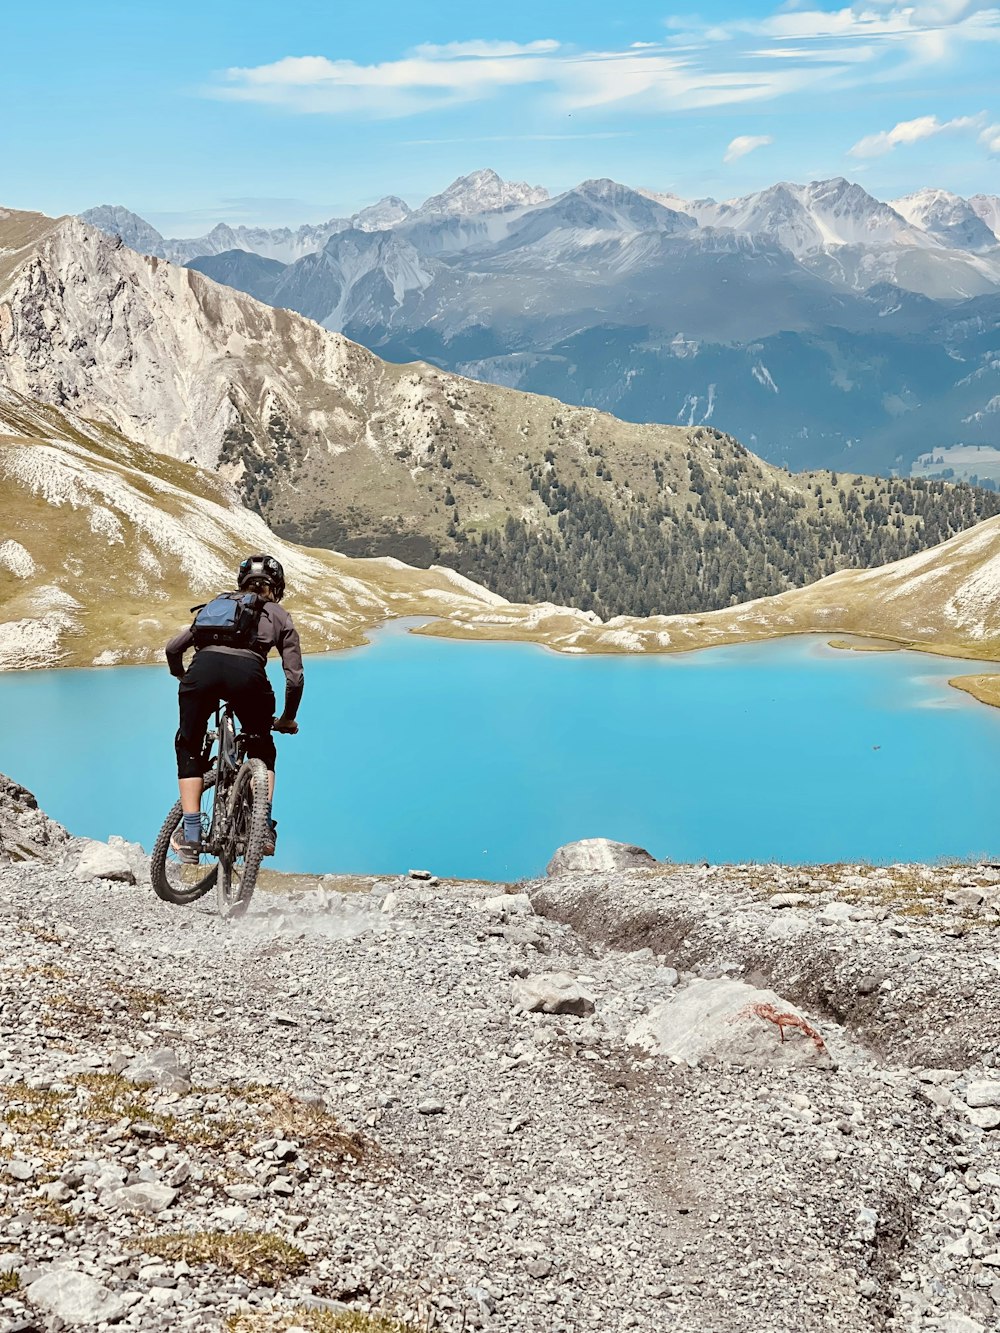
x,y
104,548
946,600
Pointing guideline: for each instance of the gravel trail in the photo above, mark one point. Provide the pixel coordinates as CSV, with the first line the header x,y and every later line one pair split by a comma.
x,y
342,1104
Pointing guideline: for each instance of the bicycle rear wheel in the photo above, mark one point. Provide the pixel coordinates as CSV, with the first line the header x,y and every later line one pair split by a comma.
x,y
173,881
243,841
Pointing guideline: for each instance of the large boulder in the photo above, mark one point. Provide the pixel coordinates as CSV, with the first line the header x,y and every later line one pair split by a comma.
x,y
26,833
724,1020
77,1298
599,854
552,993
99,860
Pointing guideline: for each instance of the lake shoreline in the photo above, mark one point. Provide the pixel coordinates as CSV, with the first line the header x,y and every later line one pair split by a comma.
x,y
984,687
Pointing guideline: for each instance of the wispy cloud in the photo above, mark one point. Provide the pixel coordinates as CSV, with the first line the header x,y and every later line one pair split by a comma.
x,y
431,78
746,143
522,138
791,51
910,132
990,139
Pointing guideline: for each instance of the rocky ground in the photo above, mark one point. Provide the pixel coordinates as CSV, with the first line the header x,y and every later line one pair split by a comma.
x,y
710,1099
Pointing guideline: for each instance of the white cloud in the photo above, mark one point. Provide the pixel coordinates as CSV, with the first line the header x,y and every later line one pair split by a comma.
x,y
431,76
456,49
909,132
746,143
875,18
791,51
990,139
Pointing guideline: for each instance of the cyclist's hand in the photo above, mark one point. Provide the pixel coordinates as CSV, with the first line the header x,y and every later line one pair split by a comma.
x,y
286,725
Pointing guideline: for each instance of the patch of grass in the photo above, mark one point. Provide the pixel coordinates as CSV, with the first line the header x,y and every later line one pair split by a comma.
x,y
47,972
33,1114
259,1256
113,1098
139,1001
312,1126
43,934
318,1321
48,1211
70,1005
919,909
9,1282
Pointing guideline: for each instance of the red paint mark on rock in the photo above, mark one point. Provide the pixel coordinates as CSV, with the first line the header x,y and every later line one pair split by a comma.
x,y
770,1014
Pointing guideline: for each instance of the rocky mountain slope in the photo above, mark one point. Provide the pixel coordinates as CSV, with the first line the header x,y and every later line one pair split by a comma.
x,y
814,322
463,1106
104,547
335,447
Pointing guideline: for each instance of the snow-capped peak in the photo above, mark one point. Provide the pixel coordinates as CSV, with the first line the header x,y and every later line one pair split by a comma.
x,y
948,217
481,192
808,218
987,207
388,212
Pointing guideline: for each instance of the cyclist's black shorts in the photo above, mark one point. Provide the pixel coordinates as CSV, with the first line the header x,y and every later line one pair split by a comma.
x,y
242,681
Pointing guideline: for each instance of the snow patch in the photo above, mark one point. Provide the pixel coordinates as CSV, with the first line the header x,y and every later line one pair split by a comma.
x,y
16,560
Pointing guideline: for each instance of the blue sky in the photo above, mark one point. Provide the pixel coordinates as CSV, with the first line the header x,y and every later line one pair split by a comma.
x,y
195,113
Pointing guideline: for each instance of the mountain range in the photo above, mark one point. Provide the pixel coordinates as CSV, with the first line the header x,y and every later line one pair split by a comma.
x,y
335,447
821,326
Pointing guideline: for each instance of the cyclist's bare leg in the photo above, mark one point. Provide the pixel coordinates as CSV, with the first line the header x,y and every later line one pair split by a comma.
x,y
191,790
270,784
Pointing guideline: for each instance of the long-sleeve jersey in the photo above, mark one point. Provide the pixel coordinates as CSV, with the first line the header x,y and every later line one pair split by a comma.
x,y
274,630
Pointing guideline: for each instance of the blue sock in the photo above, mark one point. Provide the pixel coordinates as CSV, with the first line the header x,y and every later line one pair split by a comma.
x,y
269,815
192,828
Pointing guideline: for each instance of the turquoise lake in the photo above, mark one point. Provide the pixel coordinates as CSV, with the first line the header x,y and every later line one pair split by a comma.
x,y
481,759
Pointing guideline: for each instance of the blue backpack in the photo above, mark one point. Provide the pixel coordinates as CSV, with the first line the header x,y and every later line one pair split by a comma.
x,y
229,620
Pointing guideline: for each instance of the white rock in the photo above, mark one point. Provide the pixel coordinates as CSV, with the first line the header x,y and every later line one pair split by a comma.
x,y
552,993
508,904
709,1021
836,912
598,854
986,1117
144,1197
960,1323
788,900
99,861
986,1092
77,1298
964,898
159,1068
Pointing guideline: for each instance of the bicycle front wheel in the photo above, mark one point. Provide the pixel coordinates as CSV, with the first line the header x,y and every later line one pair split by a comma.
x,y
174,881
242,845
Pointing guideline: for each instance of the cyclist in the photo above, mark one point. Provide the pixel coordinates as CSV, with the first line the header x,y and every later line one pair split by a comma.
x,y
237,675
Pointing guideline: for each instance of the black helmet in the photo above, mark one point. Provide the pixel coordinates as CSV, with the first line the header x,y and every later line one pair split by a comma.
x,y
263,567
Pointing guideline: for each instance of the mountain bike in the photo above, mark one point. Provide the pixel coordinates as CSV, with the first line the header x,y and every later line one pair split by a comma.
x,y
233,827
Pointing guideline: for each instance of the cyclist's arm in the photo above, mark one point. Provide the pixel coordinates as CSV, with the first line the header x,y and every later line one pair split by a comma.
x,y
291,663
176,649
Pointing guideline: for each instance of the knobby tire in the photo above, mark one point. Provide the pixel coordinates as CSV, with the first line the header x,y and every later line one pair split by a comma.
x,y
168,875
243,849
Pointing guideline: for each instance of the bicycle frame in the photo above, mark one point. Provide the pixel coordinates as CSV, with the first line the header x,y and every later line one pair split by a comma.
x,y
232,748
